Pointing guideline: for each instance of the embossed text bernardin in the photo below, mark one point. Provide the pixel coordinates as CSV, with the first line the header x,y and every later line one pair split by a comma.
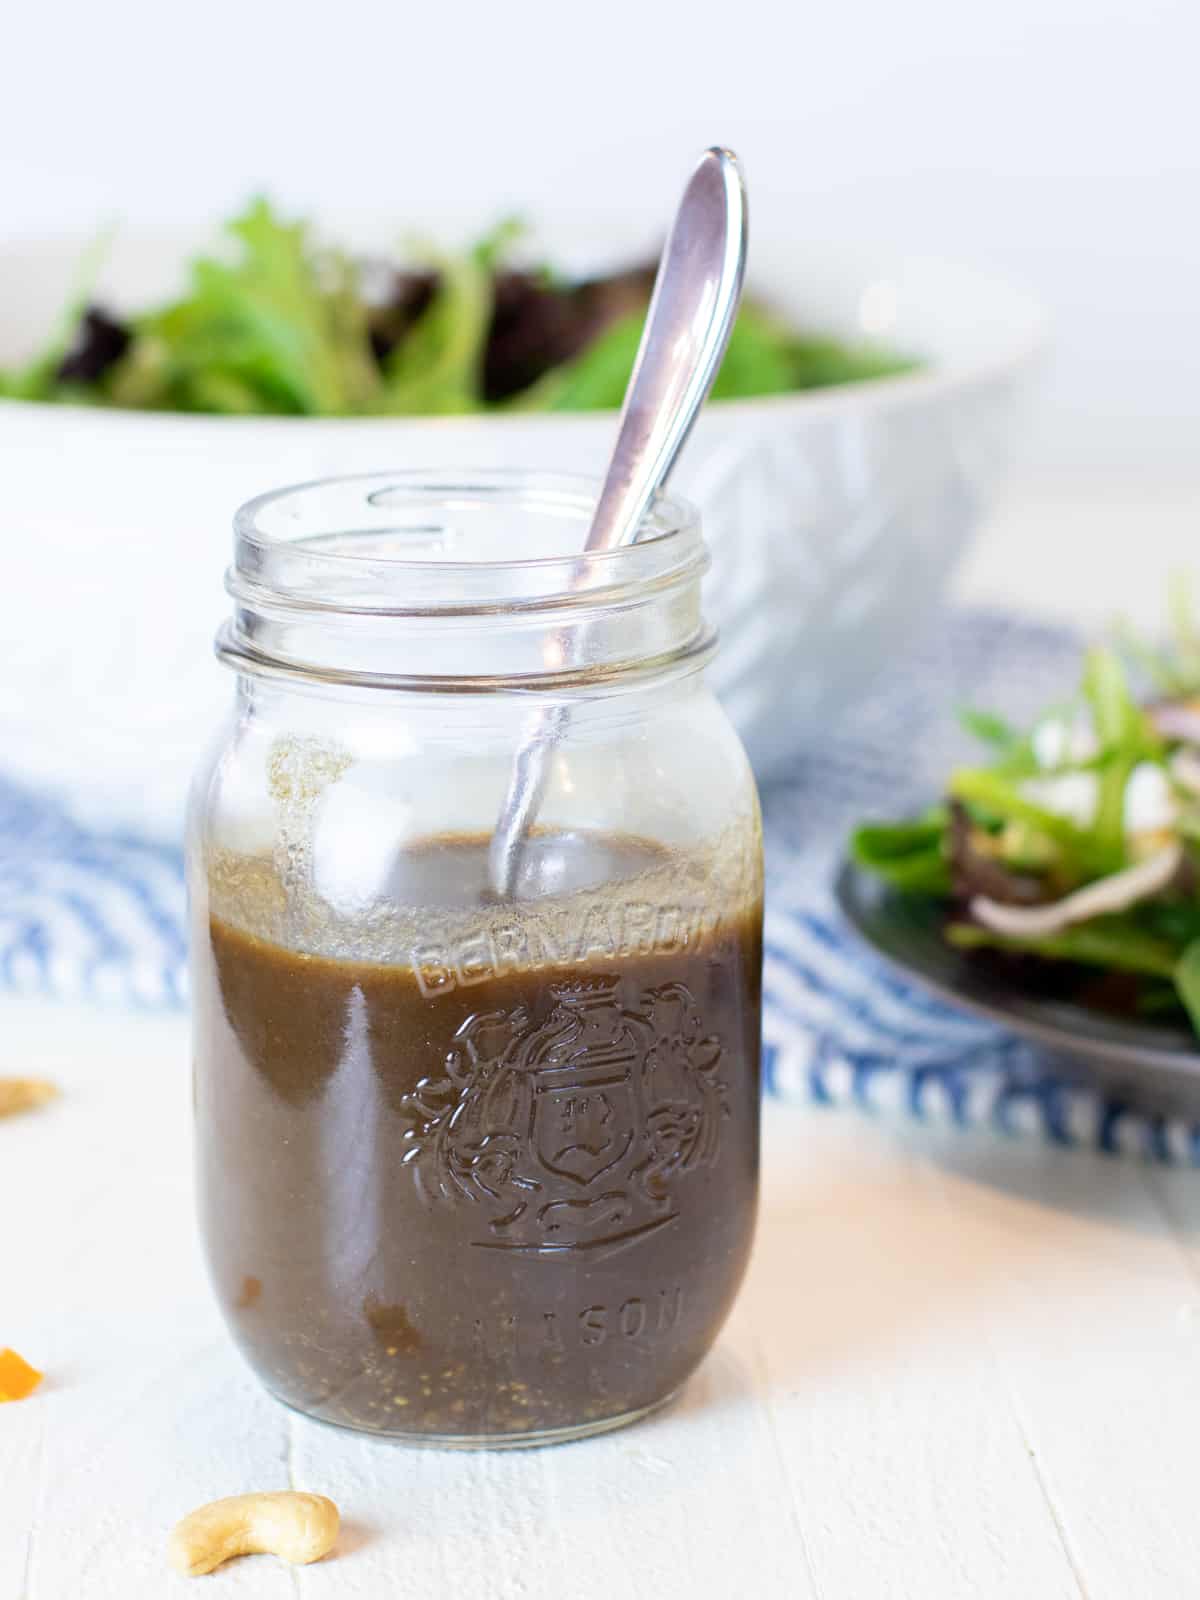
x,y
545,939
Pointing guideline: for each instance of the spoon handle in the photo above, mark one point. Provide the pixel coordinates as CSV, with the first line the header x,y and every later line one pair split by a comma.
x,y
691,316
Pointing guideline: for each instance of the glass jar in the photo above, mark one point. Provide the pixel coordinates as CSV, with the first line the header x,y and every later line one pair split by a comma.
x,y
477,1165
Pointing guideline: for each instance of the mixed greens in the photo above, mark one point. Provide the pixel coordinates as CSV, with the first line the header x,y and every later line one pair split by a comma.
x,y
288,326
1076,847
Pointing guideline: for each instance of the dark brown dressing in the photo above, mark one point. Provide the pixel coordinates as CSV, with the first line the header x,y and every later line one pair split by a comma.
x,y
502,1187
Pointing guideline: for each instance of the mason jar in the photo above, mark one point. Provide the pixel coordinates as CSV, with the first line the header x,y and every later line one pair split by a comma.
x,y
477,1129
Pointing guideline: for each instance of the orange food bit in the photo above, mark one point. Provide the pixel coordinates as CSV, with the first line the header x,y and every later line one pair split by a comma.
x,y
17,1377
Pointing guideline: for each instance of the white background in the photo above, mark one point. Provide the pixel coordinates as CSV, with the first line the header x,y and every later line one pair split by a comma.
x,y
1058,140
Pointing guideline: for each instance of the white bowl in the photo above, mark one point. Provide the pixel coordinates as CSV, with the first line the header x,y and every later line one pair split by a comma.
x,y
835,518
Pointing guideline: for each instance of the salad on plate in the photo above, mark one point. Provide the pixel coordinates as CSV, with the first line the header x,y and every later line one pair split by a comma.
x,y
1073,850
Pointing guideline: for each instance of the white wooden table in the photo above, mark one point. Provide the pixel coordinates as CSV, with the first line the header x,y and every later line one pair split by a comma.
x,y
960,1367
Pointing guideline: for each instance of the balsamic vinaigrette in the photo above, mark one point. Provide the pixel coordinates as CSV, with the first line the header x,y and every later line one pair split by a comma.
x,y
491,1177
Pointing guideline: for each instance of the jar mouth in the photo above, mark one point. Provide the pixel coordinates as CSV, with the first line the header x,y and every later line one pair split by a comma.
x,y
459,579
454,543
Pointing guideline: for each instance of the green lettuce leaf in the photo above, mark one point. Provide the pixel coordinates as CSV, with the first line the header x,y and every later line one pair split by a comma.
x,y
437,368
912,856
281,328
990,729
998,797
761,360
1116,942
1187,981
1125,739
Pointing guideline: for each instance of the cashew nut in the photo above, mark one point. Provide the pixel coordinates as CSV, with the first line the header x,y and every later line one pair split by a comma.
x,y
298,1527
23,1094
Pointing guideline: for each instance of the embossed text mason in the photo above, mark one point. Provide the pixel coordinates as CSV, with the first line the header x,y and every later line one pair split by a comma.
x,y
474,1168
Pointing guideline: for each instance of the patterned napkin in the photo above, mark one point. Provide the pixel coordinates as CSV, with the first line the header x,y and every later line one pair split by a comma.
x,y
99,916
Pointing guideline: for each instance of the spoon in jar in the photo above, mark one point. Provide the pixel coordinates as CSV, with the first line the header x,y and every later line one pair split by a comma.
x,y
691,315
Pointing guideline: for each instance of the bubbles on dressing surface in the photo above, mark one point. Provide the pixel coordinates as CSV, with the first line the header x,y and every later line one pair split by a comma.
x,y
578,892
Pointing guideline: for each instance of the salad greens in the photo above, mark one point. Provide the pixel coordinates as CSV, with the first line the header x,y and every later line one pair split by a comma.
x,y
287,325
1076,843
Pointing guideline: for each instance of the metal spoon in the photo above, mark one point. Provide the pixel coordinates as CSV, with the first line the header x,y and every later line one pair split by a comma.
x,y
691,315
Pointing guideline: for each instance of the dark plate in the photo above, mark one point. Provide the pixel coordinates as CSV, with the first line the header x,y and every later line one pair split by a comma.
x,y
1152,1066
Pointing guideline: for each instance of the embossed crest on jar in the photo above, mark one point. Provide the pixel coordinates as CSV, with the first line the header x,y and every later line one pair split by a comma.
x,y
567,1135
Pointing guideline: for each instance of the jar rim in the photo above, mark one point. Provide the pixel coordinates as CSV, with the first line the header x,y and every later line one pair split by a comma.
x,y
669,515
361,579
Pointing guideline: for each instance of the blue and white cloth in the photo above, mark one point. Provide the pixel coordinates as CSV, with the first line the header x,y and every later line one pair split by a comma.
x,y
99,916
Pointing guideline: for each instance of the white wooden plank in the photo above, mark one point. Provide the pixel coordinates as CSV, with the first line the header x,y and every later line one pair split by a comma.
x,y
1176,1193
22,1442
663,1509
1093,1313
146,1412
909,1471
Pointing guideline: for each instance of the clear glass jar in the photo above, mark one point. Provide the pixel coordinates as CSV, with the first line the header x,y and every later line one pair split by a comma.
x,y
474,1167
